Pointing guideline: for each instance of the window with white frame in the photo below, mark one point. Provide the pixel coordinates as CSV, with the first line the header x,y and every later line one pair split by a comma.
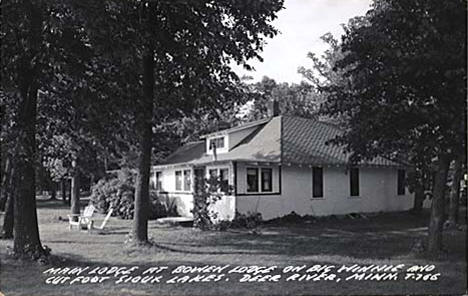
x,y
183,180
317,182
158,177
187,180
401,182
354,182
267,183
213,173
224,179
178,180
217,142
222,175
252,179
259,180
152,182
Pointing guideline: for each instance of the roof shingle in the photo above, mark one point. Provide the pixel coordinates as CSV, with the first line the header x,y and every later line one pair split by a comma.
x,y
282,139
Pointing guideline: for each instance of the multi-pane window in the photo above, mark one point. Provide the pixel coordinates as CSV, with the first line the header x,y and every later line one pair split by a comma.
x,y
317,182
266,180
354,181
217,142
152,182
178,180
183,180
187,180
259,180
222,176
158,180
401,182
252,180
213,173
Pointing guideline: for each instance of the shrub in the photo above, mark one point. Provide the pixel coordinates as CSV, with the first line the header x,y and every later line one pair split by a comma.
x,y
164,206
205,195
294,218
249,220
118,191
245,221
291,218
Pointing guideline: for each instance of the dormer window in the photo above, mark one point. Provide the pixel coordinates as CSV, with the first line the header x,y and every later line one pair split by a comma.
x,y
217,142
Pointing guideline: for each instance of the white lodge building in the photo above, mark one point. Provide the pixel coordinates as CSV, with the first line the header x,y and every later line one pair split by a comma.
x,y
280,165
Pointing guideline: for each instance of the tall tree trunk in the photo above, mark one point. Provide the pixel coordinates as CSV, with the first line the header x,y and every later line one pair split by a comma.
x,y
8,219
438,206
26,230
455,192
69,191
418,198
6,176
140,219
105,165
75,194
53,190
63,190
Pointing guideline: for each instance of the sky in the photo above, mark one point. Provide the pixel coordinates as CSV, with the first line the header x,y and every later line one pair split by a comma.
x,y
301,23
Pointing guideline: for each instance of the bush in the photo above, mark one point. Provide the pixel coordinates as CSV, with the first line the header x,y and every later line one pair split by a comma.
x,y
205,195
249,220
291,218
294,218
164,206
118,191
245,221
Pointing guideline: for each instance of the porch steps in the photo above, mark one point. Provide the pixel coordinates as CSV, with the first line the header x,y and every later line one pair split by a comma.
x,y
174,221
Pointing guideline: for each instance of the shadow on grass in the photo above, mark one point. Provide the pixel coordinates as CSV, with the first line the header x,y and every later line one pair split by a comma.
x,y
379,237
57,204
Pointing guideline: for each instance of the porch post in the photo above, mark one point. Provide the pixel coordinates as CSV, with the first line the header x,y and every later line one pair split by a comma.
x,y
234,169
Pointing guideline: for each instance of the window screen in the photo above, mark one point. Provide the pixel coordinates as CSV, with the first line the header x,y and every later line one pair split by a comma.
x,y
266,180
252,180
401,182
224,179
218,142
158,180
178,180
354,181
187,180
317,182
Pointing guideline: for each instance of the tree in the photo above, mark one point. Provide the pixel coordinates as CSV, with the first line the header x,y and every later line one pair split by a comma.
x,y
182,48
407,64
23,84
325,73
5,176
455,191
295,99
8,219
40,39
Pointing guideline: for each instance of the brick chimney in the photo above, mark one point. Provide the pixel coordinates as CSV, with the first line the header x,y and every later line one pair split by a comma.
x,y
273,108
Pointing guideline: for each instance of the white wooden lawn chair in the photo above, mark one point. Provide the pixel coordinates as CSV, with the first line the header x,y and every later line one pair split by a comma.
x,y
91,225
81,219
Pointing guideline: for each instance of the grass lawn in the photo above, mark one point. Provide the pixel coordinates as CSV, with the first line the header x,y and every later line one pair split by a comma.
x,y
384,239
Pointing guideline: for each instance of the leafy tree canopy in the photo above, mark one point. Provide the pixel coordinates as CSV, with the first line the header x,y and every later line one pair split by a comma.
x,y
407,65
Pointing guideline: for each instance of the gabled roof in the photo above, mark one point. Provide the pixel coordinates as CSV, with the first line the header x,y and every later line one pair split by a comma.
x,y
237,128
281,139
304,141
186,153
